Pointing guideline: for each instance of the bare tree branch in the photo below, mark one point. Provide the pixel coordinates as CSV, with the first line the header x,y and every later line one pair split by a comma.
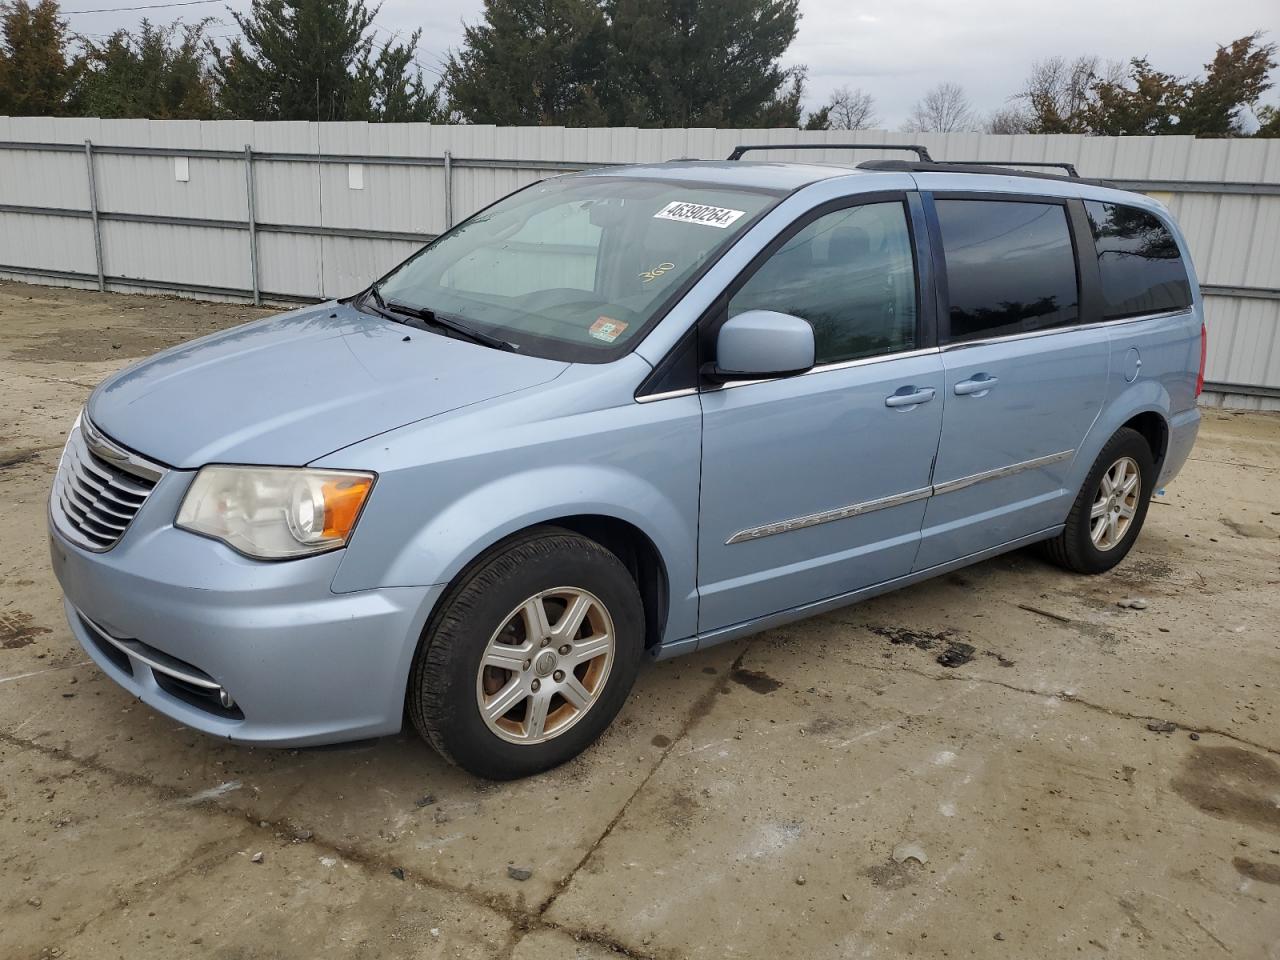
x,y
944,109
851,109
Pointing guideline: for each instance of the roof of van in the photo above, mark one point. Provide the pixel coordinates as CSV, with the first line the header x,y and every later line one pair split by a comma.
x,y
751,174
784,177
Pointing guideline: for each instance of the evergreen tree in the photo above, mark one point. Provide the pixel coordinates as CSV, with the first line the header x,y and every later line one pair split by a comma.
x,y
36,75
1268,121
532,62
1233,80
1146,103
392,86
1085,95
316,60
160,72
712,63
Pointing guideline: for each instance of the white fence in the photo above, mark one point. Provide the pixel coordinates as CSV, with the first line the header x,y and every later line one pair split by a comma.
x,y
302,211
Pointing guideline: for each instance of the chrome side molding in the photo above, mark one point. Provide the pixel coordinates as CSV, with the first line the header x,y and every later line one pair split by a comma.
x,y
829,516
898,499
950,486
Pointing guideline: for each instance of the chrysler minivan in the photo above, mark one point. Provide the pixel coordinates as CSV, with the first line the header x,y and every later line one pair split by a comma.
x,y
632,411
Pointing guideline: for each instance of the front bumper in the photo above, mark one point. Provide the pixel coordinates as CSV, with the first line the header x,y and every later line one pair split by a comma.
x,y
302,665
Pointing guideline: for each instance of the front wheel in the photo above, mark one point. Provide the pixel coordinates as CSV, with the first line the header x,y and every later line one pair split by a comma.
x,y
529,657
1109,510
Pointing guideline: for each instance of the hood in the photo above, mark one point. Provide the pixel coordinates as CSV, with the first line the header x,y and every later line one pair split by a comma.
x,y
291,388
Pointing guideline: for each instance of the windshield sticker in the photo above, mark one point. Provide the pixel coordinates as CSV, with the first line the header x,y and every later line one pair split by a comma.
x,y
648,276
699,213
607,329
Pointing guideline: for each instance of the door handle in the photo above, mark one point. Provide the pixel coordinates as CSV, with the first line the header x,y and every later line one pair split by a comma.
x,y
909,399
977,387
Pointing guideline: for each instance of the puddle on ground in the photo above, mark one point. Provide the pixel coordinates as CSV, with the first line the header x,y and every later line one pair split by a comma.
x,y
1262,872
1232,783
755,680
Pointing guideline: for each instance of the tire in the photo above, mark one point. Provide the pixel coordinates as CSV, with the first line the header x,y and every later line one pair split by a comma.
x,y
1076,547
485,619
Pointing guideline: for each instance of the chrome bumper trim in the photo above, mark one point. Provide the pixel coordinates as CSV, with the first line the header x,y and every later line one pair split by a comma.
x,y
157,661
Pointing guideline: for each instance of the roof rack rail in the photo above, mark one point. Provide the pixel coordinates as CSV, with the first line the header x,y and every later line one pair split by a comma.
x,y
1068,167
915,148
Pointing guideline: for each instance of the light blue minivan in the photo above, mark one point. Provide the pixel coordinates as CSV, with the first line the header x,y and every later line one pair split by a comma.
x,y
637,410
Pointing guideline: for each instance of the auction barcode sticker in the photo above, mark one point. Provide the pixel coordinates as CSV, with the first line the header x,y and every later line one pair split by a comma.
x,y
686,212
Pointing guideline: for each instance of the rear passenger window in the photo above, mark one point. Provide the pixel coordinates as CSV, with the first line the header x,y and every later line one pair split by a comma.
x,y
1010,267
1142,271
851,274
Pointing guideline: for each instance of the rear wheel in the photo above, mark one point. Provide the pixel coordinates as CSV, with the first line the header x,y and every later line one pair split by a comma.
x,y
530,656
1109,511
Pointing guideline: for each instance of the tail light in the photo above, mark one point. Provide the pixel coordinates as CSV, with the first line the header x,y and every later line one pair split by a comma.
x,y
1204,352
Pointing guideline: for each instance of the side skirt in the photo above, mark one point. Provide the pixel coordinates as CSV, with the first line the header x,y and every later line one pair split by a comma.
x,y
724,634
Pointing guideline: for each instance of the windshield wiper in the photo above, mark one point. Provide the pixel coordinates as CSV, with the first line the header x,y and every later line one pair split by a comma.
x,y
426,315
379,305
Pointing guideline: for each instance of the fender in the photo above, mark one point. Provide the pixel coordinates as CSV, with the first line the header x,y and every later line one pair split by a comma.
x,y
460,532
1142,396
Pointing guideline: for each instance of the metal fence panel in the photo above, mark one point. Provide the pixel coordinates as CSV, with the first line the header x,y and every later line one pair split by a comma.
x,y
336,204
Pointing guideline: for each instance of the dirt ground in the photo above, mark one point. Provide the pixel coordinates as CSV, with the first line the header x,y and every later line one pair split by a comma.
x,y
754,800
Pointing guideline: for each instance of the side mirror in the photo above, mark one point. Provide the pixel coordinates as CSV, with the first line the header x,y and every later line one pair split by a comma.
x,y
760,344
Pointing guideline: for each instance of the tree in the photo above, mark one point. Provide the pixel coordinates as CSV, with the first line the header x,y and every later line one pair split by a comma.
x,y
391,87
715,63
1086,96
1234,80
944,109
1268,121
1059,91
819,119
160,72
1008,120
36,75
847,109
315,60
532,62
1147,102
785,108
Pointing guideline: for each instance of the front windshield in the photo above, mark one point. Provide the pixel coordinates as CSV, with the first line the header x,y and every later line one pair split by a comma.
x,y
577,267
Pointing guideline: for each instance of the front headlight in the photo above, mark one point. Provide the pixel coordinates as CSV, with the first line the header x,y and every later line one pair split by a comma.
x,y
273,513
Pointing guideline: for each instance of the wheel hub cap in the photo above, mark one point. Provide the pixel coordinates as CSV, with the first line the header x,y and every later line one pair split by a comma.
x,y
545,665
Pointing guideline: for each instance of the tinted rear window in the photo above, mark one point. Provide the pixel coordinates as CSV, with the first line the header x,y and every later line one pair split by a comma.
x,y
1142,271
1010,267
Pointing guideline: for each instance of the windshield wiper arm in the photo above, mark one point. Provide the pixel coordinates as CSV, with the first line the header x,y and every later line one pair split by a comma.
x,y
379,305
428,315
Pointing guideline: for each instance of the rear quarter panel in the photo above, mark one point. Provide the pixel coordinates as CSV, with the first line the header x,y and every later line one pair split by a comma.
x,y
1169,348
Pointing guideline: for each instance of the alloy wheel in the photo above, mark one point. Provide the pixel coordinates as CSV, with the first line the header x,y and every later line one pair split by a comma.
x,y
546,665
1115,504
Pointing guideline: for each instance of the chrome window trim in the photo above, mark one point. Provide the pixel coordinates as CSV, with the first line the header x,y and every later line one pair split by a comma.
x,y
667,395
897,499
102,446
839,365
961,483
829,516
1068,328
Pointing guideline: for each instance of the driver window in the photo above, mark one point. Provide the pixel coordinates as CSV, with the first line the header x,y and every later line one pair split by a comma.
x,y
554,249
851,274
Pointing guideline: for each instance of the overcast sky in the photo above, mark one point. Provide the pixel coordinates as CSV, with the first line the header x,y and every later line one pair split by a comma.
x,y
893,49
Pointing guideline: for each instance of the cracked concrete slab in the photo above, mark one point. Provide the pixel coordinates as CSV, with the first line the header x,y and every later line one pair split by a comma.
x,y
831,751
1052,825
298,900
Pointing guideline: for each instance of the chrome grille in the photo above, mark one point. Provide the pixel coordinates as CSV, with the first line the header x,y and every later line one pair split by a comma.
x,y
99,489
